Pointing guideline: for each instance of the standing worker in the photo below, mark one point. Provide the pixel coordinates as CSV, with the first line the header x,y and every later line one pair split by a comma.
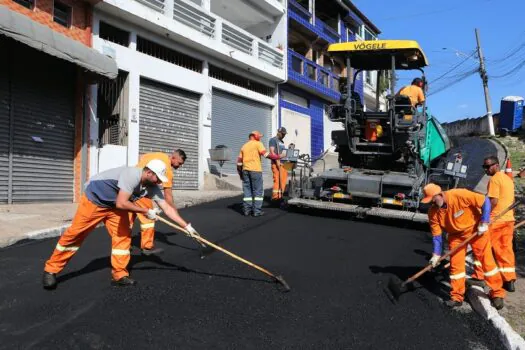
x,y
249,167
108,198
501,194
147,226
462,213
414,92
280,174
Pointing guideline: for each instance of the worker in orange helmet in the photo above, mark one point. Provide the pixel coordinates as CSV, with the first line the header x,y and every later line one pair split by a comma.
x,y
147,226
501,194
462,213
249,167
108,198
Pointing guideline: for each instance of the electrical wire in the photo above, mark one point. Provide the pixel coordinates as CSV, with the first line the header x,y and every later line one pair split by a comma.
x,y
453,68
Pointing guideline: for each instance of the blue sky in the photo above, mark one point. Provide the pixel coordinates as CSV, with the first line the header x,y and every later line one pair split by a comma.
x,y
450,24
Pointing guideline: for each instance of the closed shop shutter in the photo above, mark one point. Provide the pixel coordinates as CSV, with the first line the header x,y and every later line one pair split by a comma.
x,y
42,99
4,125
169,119
233,118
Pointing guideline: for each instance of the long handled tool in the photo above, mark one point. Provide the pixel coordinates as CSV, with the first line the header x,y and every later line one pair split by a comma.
x,y
397,288
277,278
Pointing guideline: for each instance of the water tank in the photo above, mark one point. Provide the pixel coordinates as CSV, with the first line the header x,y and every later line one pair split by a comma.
x,y
511,113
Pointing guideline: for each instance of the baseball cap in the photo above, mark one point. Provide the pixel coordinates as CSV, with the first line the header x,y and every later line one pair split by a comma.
x,y
430,191
159,168
282,130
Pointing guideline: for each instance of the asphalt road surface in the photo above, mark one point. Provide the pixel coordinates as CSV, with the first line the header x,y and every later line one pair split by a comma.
x,y
338,270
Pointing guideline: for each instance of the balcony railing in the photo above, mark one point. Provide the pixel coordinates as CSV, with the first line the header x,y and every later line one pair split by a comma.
x,y
323,79
303,12
327,30
215,27
301,15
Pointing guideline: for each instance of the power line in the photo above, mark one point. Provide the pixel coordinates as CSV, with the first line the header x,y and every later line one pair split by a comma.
x,y
453,68
454,82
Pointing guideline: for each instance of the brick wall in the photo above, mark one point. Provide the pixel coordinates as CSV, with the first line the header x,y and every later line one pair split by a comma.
x,y
80,29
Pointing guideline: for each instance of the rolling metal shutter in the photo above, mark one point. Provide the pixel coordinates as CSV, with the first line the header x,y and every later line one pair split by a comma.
x,y
42,138
169,119
233,118
4,125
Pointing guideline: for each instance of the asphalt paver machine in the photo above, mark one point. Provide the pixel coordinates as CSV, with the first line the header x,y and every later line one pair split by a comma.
x,y
385,156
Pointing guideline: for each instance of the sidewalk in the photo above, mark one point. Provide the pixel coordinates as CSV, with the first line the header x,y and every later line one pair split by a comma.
x,y
42,220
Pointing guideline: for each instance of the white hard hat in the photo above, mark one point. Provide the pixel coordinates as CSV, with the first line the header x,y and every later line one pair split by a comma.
x,y
159,168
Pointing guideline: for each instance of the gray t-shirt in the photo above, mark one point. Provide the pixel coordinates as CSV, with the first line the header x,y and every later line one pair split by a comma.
x,y
102,189
278,145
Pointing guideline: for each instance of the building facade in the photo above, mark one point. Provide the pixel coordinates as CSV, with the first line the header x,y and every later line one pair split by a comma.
x,y
314,77
46,66
193,74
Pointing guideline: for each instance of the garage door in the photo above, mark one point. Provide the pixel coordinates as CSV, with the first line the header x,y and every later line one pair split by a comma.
x,y
4,125
169,119
233,118
40,136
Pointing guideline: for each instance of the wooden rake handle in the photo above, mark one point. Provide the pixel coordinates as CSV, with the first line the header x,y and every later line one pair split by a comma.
x,y
463,244
208,243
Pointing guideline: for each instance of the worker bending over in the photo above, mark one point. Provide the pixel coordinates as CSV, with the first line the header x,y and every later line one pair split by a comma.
x,y
249,167
501,193
147,226
280,174
108,198
462,213
414,92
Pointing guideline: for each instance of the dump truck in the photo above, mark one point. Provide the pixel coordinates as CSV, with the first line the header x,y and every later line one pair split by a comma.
x,y
385,157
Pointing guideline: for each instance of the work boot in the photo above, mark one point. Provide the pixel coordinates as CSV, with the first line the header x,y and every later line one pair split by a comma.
x,y
152,251
497,303
246,213
453,304
475,282
259,214
123,282
509,286
49,280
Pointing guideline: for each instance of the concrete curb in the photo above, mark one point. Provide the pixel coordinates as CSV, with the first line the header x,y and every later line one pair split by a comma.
x,y
481,304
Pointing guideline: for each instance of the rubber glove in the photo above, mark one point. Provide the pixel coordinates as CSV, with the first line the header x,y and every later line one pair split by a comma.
x,y
482,228
152,213
434,260
191,230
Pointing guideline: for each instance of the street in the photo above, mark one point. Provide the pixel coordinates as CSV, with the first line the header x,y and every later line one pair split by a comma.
x,y
337,270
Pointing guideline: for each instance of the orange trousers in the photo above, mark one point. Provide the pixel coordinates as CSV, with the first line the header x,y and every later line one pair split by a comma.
x,y
87,217
147,226
501,236
280,176
482,250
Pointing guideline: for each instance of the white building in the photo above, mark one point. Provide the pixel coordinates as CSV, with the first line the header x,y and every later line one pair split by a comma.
x,y
193,74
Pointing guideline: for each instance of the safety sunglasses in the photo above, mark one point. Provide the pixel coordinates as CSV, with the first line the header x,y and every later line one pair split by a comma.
x,y
487,166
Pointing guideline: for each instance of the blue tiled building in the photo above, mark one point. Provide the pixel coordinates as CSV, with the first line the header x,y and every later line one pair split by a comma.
x,y
313,77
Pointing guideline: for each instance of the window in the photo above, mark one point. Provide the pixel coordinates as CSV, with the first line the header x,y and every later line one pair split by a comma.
x,y
113,34
62,14
234,79
368,35
30,4
164,53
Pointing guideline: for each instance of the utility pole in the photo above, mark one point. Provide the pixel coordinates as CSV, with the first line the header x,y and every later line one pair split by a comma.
x,y
485,80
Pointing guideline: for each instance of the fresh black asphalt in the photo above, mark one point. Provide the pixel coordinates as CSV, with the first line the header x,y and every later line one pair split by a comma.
x,y
337,268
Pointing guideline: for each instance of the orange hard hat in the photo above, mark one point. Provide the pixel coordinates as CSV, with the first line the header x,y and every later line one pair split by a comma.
x,y
430,191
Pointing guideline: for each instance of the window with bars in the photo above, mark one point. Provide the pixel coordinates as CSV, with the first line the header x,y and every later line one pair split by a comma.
x,y
30,4
112,110
169,55
62,14
113,34
234,79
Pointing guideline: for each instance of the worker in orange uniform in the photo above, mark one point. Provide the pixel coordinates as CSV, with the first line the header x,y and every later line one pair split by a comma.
x,y
147,226
249,167
414,92
501,194
280,174
462,213
108,198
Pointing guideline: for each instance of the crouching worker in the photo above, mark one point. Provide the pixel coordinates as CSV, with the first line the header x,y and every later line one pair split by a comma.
x,y
108,198
462,213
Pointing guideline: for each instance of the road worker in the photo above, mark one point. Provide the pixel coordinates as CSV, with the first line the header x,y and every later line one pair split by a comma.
x,y
501,193
147,226
108,198
462,213
414,92
249,167
280,175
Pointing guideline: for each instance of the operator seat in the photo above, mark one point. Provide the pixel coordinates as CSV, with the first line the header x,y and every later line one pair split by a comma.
x,y
405,113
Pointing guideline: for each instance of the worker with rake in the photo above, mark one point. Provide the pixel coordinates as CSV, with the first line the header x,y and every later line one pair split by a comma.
x,y
108,198
147,226
462,213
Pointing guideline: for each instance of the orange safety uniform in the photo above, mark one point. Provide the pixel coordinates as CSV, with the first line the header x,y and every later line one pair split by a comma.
x,y
502,231
147,226
459,217
414,92
280,174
